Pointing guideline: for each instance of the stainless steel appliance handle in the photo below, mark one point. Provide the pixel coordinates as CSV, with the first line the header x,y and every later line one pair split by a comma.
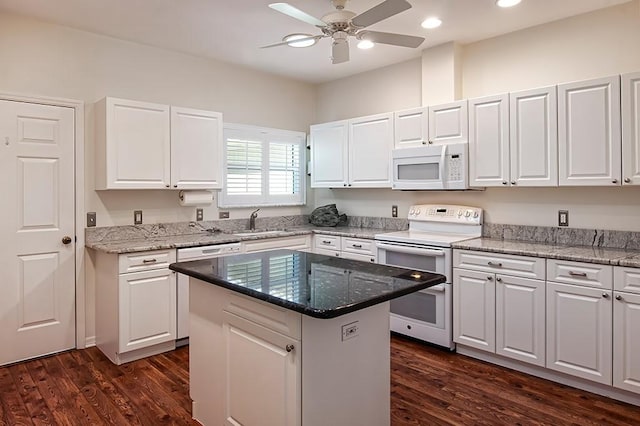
x,y
410,250
443,158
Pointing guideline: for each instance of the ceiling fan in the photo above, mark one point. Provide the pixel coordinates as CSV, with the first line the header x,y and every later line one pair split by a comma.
x,y
342,23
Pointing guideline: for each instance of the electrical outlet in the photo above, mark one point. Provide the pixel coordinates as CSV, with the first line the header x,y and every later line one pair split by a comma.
x,y
91,219
199,214
350,330
223,215
137,217
394,211
563,217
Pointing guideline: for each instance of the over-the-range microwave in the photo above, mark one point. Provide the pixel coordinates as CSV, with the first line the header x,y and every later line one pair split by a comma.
x,y
434,167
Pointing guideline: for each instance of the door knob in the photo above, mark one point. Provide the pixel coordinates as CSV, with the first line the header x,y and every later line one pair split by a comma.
x,y
66,239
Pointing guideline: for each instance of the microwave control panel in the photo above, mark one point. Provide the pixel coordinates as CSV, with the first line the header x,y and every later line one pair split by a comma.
x,y
454,168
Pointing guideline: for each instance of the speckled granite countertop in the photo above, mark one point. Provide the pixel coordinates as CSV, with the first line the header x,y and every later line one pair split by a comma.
x,y
590,254
207,238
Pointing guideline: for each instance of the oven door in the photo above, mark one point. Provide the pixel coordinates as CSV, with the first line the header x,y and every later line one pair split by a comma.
x,y
431,259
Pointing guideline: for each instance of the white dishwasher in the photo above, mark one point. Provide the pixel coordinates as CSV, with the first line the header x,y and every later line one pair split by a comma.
x,y
195,253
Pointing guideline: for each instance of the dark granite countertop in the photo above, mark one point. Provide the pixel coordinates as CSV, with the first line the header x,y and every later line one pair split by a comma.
x,y
313,284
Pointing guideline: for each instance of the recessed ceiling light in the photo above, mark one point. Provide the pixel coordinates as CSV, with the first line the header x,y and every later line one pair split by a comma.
x,y
365,44
431,23
507,3
306,40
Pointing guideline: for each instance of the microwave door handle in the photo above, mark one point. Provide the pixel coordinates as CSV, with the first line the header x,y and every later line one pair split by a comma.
x,y
443,157
410,250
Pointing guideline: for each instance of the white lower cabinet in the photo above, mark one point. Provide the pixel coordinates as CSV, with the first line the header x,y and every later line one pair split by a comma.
x,y
474,312
135,304
297,242
345,247
626,329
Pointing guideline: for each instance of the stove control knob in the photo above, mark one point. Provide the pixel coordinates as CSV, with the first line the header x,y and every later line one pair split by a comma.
x,y
417,212
459,213
467,213
411,212
475,214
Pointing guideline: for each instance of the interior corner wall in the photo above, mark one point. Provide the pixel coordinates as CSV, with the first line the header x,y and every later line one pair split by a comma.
x,y
595,44
441,74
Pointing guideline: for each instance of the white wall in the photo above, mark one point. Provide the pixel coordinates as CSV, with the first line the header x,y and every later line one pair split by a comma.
x,y
596,44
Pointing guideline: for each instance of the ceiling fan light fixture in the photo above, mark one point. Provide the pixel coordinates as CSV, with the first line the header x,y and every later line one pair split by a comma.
x,y
431,23
291,40
507,3
365,44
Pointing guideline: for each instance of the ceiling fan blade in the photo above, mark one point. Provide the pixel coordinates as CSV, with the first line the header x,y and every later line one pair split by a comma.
x,y
382,11
283,43
391,38
296,13
339,51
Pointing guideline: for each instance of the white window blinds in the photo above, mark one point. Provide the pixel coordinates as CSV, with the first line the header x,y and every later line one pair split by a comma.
x,y
263,167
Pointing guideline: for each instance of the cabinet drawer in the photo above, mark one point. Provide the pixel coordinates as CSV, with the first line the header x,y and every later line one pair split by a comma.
x,y
327,242
299,242
273,317
626,279
522,266
146,261
359,246
580,273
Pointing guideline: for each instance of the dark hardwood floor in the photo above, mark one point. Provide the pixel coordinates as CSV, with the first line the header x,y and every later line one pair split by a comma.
x,y
428,387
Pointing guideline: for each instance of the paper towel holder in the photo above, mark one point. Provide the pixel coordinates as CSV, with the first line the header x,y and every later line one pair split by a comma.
x,y
195,198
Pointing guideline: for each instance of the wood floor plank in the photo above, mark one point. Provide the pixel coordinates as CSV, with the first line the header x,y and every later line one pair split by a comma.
x,y
30,394
57,403
14,410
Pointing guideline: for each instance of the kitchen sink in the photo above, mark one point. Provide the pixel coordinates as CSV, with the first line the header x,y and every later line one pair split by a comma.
x,y
257,233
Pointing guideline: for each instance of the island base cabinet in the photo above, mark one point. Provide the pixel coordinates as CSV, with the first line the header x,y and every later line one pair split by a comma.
x,y
626,342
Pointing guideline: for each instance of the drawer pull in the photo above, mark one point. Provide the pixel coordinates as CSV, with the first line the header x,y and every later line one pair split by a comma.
x,y
356,245
498,265
489,278
605,295
578,274
499,279
618,297
326,242
149,260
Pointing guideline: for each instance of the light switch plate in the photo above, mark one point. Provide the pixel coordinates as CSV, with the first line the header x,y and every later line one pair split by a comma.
x,y
137,217
91,219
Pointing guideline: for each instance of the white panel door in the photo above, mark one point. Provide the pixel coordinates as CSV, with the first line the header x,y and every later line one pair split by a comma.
x,y
196,149
489,141
411,128
474,309
448,123
579,337
37,295
520,319
272,397
533,118
626,341
589,142
137,145
329,152
370,145
631,129
147,314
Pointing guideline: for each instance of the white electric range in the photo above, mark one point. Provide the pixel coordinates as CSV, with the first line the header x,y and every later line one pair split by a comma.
x,y
426,245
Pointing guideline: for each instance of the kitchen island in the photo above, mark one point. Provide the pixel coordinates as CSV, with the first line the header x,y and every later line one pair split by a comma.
x,y
292,338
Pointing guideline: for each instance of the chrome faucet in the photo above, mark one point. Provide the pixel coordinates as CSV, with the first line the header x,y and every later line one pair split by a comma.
x,y
252,220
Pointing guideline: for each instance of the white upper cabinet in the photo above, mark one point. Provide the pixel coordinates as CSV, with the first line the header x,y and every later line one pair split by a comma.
x,y
132,145
534,137
370,145
448,123
196,149
329,154
489,141
141,145
589,132
631,129
411,127
352,153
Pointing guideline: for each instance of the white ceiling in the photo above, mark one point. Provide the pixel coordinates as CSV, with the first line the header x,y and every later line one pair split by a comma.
x,y
233,30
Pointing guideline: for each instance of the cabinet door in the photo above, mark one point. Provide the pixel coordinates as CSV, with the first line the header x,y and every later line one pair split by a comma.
x,y
274,396
370,145
579,340
448,123
411,128
589,143
147,314
520,319
626,342
631,128
489,141
474,310
196,149
329,153
533,120
137,145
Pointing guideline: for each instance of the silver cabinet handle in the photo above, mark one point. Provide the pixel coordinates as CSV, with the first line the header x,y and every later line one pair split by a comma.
x,y
618,297
499,279
605,295
578,274
289,348
498,265
627,180
149,260
489,278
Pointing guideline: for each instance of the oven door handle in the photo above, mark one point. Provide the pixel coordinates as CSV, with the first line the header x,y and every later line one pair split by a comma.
x,y
410,250
439,288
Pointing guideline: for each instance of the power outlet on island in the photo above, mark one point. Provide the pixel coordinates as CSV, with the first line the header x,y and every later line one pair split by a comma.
x,y
350,330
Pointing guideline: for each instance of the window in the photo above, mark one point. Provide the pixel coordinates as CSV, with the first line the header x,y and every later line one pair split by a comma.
x,y
263,167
